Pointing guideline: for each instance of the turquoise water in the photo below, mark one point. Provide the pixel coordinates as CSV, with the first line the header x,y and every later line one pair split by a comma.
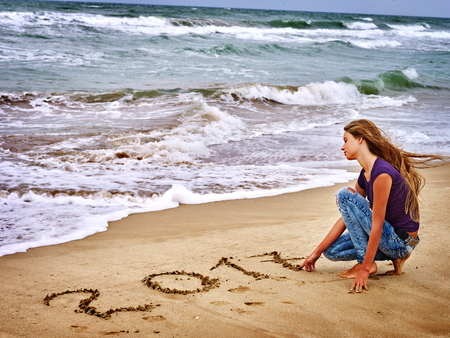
x,y
100,47
110,109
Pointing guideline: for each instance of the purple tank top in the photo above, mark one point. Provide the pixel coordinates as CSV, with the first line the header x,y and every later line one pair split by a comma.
x,y
395,209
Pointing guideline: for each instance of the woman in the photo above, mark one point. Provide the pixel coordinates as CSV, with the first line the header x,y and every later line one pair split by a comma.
x,y
386,226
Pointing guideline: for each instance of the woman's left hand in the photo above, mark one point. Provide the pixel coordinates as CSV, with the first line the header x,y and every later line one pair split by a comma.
x,y
360,281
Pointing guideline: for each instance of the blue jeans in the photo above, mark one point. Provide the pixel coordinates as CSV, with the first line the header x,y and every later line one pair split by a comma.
x,y
352,244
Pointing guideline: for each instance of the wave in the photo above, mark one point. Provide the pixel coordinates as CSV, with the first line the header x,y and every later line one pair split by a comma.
x,y
194,22
191,102
224,49
181,125
410,28
305,24
46,19
313,24
374,44
346,92
36,99
343,90
360,25
288,33
155,25
299,23
183,138
392,80
401,79
313,94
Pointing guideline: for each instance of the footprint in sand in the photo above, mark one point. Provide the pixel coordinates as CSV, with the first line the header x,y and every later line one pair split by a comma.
x,y
254,303
77,328
154,319
240,289
219,303
241,311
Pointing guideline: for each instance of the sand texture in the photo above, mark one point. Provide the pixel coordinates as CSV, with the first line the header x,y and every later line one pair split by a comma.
x,y
228,269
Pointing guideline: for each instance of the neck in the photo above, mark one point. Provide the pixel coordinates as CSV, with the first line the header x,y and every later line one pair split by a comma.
x,y
367,161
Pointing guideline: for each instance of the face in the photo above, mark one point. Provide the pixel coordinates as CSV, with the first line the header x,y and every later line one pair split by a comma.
x,y
350,147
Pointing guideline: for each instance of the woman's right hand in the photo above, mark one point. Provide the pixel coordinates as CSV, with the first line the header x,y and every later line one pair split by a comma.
x,y
310,262
337,230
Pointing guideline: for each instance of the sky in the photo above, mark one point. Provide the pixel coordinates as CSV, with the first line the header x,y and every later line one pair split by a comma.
x,y
433,8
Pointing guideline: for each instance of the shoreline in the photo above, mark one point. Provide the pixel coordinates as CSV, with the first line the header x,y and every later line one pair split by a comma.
x,y
194,239
176,196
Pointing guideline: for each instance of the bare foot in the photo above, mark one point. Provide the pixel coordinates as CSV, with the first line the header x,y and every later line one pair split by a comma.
x,y
398,265
354,271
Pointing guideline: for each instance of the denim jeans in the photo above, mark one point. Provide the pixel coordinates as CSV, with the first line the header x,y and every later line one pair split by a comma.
x,y
352,244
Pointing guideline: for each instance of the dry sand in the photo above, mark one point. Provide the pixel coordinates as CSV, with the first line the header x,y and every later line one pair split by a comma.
x,y
273,301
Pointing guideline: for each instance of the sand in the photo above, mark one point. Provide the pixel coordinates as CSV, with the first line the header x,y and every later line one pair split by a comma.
x,y
220,258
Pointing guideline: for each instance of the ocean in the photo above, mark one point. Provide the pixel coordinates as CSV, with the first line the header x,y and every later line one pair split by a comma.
x,y
111,109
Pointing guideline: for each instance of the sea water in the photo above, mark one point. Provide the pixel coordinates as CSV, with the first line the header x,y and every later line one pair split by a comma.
x,y
112,109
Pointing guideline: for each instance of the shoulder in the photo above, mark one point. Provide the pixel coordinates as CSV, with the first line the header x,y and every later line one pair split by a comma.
x,y
380,163
383,167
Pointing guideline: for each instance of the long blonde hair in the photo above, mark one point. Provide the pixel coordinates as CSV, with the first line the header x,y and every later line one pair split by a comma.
x,y
404,162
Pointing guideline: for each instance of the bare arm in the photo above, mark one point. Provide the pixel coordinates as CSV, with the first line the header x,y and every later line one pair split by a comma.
x,y
333,235
381,191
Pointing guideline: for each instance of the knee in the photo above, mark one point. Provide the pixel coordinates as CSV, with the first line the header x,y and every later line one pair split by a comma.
x,y
343,193
328,254
346,191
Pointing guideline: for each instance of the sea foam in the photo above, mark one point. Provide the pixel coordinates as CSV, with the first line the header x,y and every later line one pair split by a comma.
x,y
50,220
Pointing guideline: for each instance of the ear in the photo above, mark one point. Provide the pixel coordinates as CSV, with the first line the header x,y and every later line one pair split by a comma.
x,y
360,140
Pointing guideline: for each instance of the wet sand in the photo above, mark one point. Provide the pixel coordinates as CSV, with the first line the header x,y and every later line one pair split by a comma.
x,y
228,269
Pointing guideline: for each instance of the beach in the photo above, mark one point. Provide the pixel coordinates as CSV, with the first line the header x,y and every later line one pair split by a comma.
x,y
226,250
165,169
200,105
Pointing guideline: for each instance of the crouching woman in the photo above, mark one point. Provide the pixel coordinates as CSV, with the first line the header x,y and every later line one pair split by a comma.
x,y
385,225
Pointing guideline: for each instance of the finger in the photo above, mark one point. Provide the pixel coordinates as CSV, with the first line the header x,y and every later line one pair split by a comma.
x,y
357,287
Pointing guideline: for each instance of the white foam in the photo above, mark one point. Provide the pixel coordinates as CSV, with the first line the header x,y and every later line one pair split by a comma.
x,y
421,34
318,94
360,33
45,220
410,73
410,28
181,195
412,138
360,25
325,93
372,44
198,128
377,101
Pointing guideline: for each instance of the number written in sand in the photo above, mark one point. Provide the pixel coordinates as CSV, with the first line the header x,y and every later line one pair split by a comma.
x,y
207,284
